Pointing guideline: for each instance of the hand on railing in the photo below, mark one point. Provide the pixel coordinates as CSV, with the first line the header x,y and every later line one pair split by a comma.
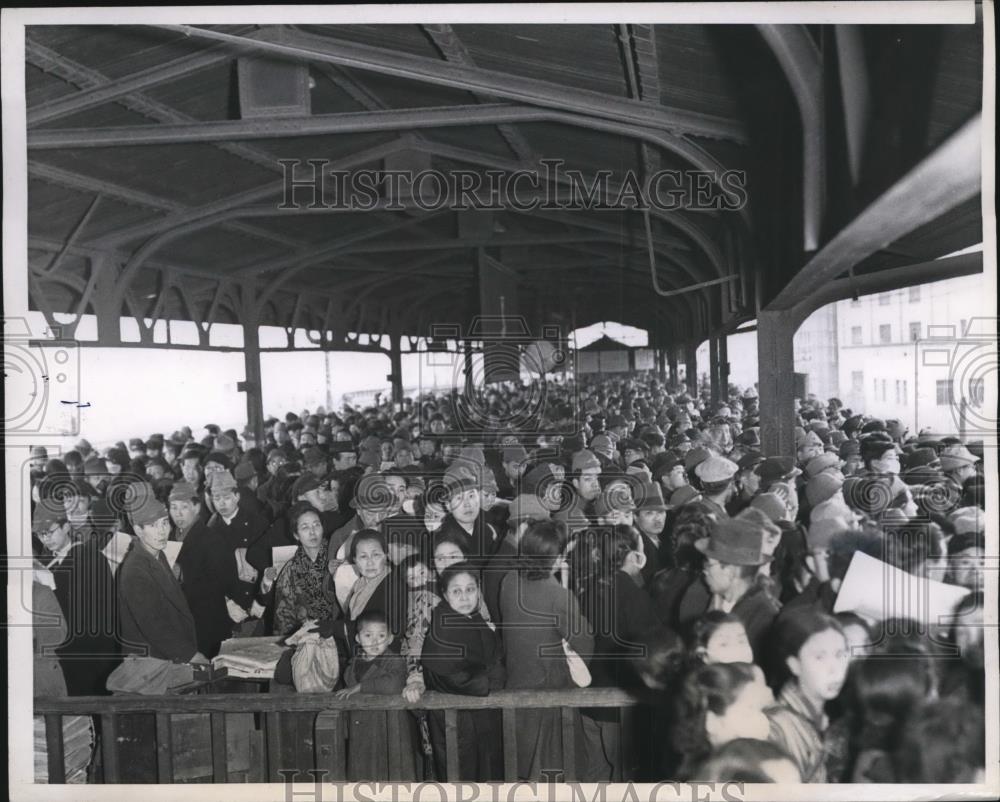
x,y
347,692
414,688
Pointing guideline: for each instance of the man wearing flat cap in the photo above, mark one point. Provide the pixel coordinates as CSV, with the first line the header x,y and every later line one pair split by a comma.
x,y
734,553
84,588
958,465
716,477
155,618
747,482
244,534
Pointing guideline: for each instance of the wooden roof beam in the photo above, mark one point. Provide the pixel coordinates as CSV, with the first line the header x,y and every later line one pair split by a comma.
x,y
948,177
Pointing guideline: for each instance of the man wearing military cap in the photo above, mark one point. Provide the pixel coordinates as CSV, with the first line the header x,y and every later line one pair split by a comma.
x,y
716,477
922,467
734,553
155,618
632,449
585,478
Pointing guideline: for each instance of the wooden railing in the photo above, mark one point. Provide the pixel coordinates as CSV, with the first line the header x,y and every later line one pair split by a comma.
x,y
276,716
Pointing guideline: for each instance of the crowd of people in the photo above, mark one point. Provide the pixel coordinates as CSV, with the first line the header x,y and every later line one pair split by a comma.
x,y
632,536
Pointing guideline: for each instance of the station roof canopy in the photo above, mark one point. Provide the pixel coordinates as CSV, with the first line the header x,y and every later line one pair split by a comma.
x,y
156,175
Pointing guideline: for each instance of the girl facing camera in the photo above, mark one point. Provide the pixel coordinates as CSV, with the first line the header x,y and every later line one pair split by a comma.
x,y
815,657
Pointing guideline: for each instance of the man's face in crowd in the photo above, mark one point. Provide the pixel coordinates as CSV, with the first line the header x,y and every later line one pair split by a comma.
x,y
317,497
514,470
404,458
807,452
55,537
438,427
852,464
154,536
226,501
960,474
632,454
427,447
450,453
184,513
750,482
274,463
96,481
397,484
718,576
675,478
334,498
155,472
345,460
281,436
190,470
465,505
318,469
651,522
588,485
77,507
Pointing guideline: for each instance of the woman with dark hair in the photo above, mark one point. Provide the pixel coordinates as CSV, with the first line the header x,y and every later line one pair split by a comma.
x,y
814,660
748,760
538,615
303,591
377,586
606,583
691,523
717,703
944,742
880,695
462,654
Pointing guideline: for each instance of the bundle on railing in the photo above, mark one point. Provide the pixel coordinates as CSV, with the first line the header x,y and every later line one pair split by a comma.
x,y
314,721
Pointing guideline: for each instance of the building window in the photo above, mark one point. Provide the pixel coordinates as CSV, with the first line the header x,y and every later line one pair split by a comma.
x,y
944,392
904,393
914,332
914,294
884,298
885,333
883,389
855,335
857,381
899,393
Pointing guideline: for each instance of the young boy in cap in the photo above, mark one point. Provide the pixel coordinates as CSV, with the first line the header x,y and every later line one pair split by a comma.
x,y
155,618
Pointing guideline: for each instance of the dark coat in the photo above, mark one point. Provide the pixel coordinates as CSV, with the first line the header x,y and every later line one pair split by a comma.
x,y
537,615
505,559
478,546
155,618
757,610
85,588
462,655
248,531
208,576
368,731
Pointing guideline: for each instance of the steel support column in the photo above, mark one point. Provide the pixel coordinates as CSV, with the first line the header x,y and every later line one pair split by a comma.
x,y
396,366
672,366
691,368
252,384
724,367
776,365
713,367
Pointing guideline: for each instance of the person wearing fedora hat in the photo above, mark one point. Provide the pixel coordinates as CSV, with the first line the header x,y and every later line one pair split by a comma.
x,y
734,553
651,520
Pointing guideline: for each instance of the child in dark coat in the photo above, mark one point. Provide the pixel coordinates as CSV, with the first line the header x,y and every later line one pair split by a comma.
x,y
380,743
462,655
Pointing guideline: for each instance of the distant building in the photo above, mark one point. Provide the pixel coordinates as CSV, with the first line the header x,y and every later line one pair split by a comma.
x,y
911,354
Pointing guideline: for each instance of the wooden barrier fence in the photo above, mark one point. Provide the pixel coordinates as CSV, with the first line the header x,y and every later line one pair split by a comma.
x,y
315,722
